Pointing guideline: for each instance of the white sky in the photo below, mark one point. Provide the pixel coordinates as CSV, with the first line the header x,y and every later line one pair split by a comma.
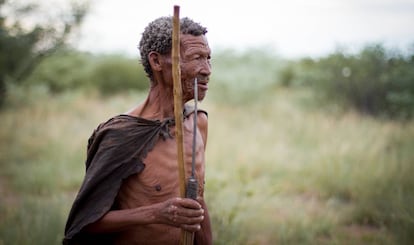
x,y
291,28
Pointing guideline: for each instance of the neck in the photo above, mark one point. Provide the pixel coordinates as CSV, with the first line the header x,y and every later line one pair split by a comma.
x,y
159,103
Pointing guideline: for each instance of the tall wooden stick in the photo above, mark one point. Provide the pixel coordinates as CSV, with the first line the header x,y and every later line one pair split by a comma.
x,y
187,238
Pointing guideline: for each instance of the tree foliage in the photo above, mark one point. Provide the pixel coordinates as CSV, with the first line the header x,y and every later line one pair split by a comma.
x,y
70,70
30,31
375,81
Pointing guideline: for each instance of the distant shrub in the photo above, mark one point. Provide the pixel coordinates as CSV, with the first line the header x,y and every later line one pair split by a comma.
x,y
374,81
62,71
240,77
67,70
116,73
297,73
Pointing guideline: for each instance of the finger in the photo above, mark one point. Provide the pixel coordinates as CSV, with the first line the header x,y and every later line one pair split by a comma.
x,y
175,218
200,199
187,212
191,228
185,215
171,214
188,220
187,203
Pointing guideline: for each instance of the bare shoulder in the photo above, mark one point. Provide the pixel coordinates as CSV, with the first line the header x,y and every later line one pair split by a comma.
x,y
135,112
202,119
202,124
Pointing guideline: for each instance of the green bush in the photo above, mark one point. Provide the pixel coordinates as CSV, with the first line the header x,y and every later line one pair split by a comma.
x,y
116,73
375,81
241,77
62,71
68,70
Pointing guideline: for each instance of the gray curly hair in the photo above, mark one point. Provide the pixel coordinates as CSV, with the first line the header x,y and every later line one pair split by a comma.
x,y
157,37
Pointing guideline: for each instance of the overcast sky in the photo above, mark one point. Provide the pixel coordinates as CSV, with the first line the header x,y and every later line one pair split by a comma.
x,y
291,28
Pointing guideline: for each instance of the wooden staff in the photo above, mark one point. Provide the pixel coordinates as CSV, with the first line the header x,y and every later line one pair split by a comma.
x,y
187,237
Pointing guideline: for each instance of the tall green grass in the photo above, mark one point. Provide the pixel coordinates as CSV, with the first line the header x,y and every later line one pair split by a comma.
x,y
42,149
298,175
279,169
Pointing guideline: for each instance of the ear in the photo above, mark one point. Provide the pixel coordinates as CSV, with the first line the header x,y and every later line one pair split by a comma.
x,y
155,60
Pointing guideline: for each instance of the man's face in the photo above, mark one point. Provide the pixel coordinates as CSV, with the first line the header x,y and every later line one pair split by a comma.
x,y
195,63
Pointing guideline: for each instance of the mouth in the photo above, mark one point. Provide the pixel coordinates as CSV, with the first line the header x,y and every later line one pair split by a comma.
x,y
203,85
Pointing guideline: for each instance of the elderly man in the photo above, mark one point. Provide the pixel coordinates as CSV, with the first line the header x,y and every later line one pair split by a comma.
x,y
130,194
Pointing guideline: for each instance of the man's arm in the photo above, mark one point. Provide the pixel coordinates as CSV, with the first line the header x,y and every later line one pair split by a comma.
x,y
178,212
118,220
204,236
202,123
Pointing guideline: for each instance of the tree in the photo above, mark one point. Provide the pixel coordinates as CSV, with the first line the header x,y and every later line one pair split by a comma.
x,y
30,31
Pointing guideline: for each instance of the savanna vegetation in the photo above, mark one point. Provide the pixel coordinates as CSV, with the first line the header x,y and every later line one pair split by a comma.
x,y
305,151
294,167
30,32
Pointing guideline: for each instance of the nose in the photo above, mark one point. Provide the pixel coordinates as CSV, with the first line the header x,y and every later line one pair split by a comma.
x,y
206,68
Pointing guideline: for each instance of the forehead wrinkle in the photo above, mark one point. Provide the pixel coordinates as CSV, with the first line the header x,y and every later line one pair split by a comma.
x,y
197,50
195,45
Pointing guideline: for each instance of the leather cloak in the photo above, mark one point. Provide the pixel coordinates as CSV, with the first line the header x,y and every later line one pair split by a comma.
x,y
115,151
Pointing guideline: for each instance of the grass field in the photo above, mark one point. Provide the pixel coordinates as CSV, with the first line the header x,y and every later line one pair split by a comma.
x,y
280,169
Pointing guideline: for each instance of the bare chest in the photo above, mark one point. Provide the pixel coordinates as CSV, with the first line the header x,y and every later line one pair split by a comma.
x,y
159,180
